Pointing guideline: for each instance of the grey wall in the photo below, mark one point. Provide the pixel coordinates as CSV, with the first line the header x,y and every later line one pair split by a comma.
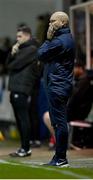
x,y
13,12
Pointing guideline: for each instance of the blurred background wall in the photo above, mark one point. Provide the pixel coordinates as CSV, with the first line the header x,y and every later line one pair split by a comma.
x,y
13,12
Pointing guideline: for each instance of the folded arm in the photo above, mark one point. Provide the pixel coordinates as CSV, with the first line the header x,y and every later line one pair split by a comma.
x,y
50,49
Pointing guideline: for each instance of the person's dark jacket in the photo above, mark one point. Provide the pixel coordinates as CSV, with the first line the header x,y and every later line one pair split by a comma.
x,y
59,55
23,71
80,102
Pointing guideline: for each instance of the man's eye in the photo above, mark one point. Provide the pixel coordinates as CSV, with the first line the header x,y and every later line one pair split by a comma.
x,y
52,21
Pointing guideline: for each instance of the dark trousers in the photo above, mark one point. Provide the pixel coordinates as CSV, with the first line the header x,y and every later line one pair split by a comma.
x,y
58,115
20,106
34,114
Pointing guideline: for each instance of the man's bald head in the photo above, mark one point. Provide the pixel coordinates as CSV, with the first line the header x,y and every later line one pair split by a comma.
x,y
61,17
57,20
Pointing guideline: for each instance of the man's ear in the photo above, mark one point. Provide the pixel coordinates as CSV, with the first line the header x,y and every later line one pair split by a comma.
x,y
63,23
58,25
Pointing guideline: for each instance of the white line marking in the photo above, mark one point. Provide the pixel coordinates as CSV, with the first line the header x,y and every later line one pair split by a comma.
x,y
60,170
83,159
38,164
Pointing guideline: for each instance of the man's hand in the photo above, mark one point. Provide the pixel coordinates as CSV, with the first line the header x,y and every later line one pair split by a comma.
x,y
50,32
53,28
15,48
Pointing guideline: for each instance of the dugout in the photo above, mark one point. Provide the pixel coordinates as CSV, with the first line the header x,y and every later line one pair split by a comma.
x,y
81,21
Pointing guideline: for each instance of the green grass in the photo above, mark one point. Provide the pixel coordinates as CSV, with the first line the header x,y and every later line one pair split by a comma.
x,y
18,168
23,171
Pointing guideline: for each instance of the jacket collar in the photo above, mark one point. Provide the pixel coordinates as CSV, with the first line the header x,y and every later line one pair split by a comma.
x,y
63,30
26,44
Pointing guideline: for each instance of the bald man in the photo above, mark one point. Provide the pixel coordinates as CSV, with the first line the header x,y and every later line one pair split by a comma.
x,y
58,54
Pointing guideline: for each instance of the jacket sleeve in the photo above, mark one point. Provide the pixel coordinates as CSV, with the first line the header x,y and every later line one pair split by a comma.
x,y
21,59
50,49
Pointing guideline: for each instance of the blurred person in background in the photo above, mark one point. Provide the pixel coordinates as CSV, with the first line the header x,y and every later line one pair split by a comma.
x,y
58,54
33,107
81,100
47,121
23,73
43,111
35,140
5,48
42,26
80,104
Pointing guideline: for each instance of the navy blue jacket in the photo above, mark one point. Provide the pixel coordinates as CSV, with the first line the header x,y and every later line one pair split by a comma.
x,y
58,55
